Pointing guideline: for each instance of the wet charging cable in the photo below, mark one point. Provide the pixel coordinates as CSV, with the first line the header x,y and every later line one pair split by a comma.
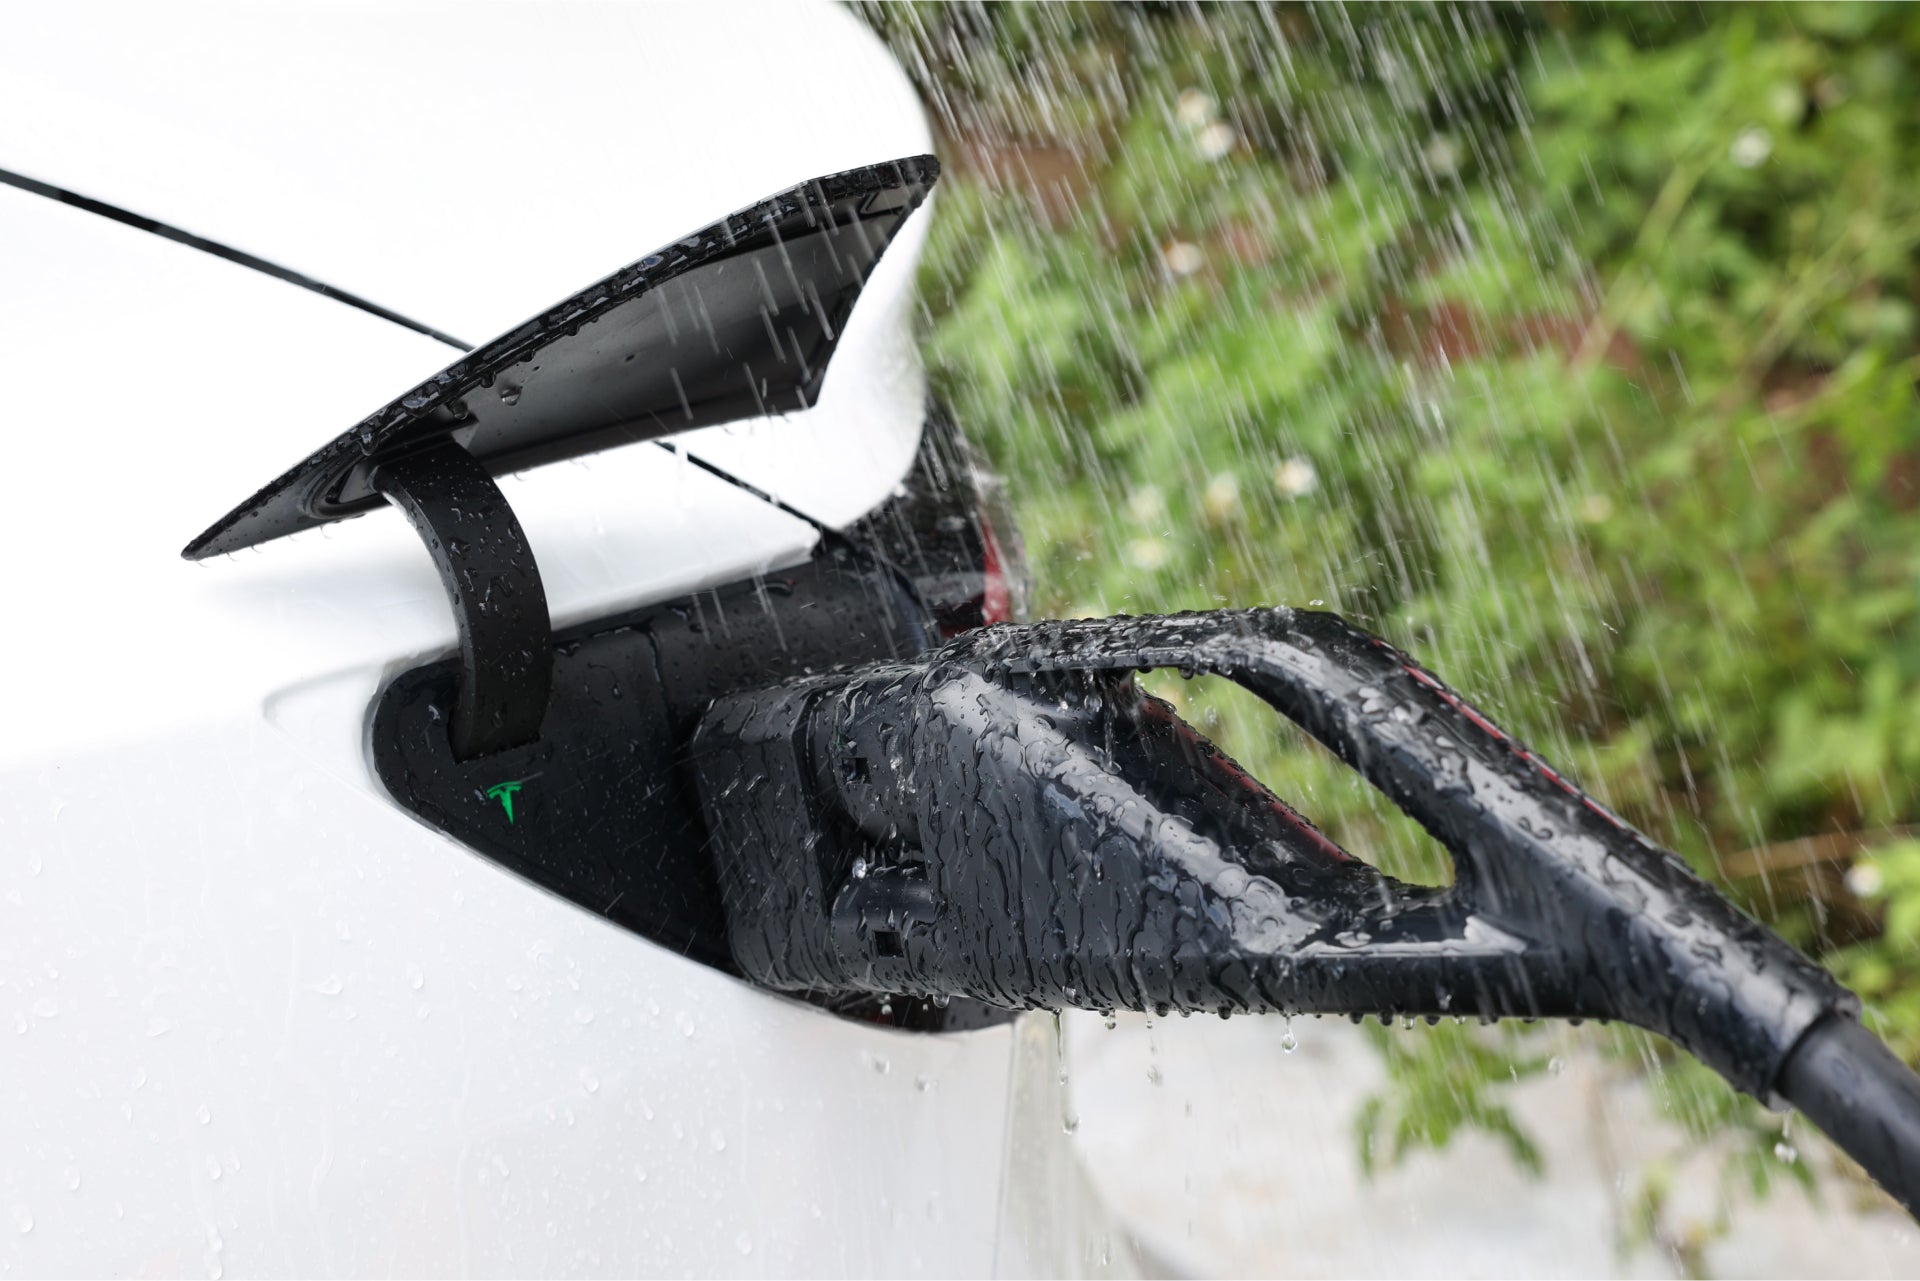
x,y
1009,818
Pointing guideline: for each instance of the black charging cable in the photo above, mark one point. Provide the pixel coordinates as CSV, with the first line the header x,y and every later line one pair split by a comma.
x,y
1009,818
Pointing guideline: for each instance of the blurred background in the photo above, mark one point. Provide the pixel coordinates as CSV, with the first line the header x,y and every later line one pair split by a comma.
x,y
1573,348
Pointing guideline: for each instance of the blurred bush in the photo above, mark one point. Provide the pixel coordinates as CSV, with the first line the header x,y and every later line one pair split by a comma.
x,y
1572,347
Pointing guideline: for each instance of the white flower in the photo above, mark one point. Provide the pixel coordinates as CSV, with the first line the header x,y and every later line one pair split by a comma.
x,y
1222,496
1442,155
1147,553
1864,879
1787,103
1147,504
1181,258
1295,478
1216,140
1751,148
1194,107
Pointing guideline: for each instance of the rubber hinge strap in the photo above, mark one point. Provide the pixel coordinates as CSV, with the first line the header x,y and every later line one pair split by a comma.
x,y
493,583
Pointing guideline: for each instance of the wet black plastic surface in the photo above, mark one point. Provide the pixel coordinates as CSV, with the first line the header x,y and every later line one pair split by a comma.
x,y
1855,1089
736,320
937,532
603,807
597,809
1009,818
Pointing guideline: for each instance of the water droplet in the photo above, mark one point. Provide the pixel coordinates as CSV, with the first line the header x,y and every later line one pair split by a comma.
x,y
509,394
719,1141
639,1174
1556,1065
1786,1152
684,1021
743,1243
330,986
22,1218
583,1015
203,1114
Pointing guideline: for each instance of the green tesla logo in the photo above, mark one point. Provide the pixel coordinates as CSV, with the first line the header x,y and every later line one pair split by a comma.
x,y
503,792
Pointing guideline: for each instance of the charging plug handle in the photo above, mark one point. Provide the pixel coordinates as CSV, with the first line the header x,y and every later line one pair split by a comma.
x,y
1009,818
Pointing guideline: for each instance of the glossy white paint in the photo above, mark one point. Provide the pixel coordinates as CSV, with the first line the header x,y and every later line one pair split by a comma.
x,y
260,1020
463,163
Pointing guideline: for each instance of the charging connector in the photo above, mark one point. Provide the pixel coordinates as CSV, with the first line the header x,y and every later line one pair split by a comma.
x,y
1010,818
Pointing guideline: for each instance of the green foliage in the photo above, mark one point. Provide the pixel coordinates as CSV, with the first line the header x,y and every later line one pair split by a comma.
x,y
1881,970
1440,1086
1574,348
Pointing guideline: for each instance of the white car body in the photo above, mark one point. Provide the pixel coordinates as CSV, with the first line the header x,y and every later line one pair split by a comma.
x,y
261,1020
